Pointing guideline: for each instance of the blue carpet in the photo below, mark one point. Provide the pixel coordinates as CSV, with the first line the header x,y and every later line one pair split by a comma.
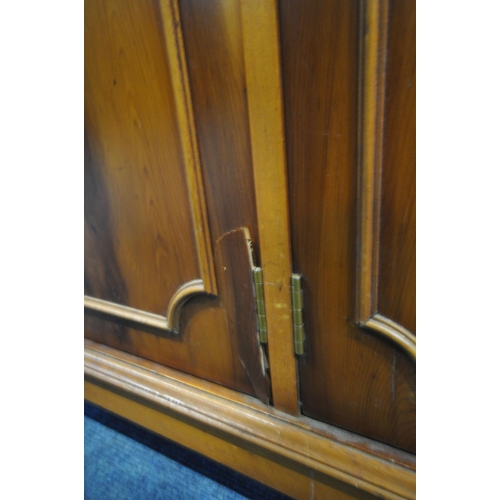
x,y
126,462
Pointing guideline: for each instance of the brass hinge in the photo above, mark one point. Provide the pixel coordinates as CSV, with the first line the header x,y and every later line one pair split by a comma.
x,y
297,316
259,304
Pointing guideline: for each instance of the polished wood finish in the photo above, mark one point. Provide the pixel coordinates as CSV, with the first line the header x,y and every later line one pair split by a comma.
x,y
204,347
294,455
180,81
214,48
146,224
180,90
138,214
230,134
265,108
397,281
349,377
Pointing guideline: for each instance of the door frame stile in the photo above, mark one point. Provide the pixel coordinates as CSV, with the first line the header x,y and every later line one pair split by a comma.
x,y
260,25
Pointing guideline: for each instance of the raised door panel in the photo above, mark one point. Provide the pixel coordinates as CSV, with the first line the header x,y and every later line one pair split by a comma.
x,y
161,226
138,214
358,370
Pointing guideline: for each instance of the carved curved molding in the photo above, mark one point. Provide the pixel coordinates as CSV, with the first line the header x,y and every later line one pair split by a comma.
x,y
170,322
393,331
183,293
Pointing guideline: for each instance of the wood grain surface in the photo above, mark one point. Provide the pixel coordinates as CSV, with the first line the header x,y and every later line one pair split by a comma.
x,y
214,47
140,230
141,234
138,216
219,339
348,377
397,280
180,81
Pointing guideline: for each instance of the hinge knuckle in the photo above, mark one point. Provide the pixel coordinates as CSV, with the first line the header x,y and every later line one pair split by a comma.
x,y
297,309
297,314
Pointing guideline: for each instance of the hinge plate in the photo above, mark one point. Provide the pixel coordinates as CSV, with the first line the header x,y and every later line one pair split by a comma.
x,y
297,314
260,304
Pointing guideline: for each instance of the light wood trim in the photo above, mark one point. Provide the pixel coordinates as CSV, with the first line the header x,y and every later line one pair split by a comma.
x,y
372,90
183,293
285,440
170,322
182,95
259,20
395,332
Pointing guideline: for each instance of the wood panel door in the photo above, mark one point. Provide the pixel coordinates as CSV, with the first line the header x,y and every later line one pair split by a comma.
x,y
288,127
170,215
349,95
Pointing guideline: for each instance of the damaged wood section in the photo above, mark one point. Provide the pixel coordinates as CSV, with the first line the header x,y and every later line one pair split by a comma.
x,y
234,261
218,339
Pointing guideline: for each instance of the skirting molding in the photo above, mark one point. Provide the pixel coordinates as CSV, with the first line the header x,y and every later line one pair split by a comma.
x,y
351,459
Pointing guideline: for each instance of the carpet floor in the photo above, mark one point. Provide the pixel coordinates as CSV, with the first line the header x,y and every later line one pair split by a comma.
x,y
126,462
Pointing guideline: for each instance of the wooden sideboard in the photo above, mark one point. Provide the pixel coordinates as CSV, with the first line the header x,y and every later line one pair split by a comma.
x,y
250,234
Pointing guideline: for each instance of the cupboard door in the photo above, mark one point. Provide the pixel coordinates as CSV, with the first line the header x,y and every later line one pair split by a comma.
x,y
349,98
169,226
181,182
